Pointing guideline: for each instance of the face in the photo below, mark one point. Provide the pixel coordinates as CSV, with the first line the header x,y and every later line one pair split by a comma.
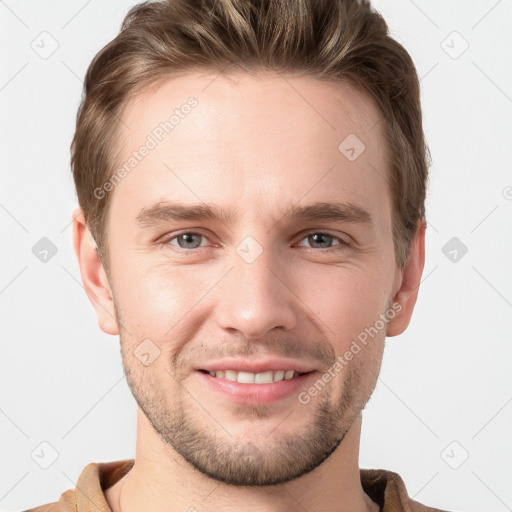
x,y
249,251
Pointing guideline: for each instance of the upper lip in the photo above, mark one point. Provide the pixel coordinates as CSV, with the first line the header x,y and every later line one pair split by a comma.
x,y
256,366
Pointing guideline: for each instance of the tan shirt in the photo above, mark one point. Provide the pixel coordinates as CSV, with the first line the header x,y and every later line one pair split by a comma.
x,y
384,487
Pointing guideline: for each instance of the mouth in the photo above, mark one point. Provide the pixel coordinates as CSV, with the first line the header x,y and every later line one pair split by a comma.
x,y
247,388
265,377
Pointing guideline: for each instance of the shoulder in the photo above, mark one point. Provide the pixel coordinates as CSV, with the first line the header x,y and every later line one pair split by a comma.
x,y
95,478
387,488
66,503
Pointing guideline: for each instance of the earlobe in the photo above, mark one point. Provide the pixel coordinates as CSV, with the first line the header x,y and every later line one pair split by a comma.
x,y
94,277
407,292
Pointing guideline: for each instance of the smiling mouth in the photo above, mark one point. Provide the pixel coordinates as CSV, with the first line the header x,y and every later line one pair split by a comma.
x,y
255,378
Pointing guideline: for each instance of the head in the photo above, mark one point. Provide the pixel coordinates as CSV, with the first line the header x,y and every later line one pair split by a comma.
x,y
251,179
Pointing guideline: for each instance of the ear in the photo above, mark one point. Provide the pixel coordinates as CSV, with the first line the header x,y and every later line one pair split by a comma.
x,y
94,277
408,282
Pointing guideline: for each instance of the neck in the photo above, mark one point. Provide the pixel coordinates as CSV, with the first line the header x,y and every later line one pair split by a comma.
x,y
161,480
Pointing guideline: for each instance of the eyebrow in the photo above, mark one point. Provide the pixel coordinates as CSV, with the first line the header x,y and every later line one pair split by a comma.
x,y
170,211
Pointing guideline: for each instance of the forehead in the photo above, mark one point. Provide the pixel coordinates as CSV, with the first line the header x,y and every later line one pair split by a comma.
x,y
251,141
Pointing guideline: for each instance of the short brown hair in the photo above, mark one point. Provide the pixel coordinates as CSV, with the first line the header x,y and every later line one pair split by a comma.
x,y
330,40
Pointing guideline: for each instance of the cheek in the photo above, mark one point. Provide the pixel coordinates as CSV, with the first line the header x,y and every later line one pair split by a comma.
x,y
158,299
149,288
345,301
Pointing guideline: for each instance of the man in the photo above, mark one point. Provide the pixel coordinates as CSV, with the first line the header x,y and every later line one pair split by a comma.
x,y
251,178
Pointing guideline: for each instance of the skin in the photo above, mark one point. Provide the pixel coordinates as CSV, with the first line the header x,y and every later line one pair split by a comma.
x,y
255,146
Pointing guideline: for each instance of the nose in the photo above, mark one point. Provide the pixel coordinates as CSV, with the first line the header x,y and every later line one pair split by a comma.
x,y
256,298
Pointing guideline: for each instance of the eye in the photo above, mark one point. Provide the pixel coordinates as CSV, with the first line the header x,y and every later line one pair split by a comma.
x,y
186,240
189,240
324,240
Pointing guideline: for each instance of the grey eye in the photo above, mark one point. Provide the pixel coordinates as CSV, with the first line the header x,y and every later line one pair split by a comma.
x,y
188,240
323,240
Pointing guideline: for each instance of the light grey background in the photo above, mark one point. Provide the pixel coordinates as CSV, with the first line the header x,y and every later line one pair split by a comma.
x,y
444,391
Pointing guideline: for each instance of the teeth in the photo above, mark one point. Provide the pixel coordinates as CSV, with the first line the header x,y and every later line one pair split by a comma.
x,y
229,375
255,378
279,375
245,377
263,378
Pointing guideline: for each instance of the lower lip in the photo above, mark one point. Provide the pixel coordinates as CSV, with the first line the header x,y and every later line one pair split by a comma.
x,y
257,394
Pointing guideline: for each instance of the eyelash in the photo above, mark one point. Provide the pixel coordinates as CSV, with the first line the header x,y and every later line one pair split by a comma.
x,y
166,241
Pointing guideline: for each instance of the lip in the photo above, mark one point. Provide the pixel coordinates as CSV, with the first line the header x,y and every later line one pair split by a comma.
x,y
262,365
255,394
